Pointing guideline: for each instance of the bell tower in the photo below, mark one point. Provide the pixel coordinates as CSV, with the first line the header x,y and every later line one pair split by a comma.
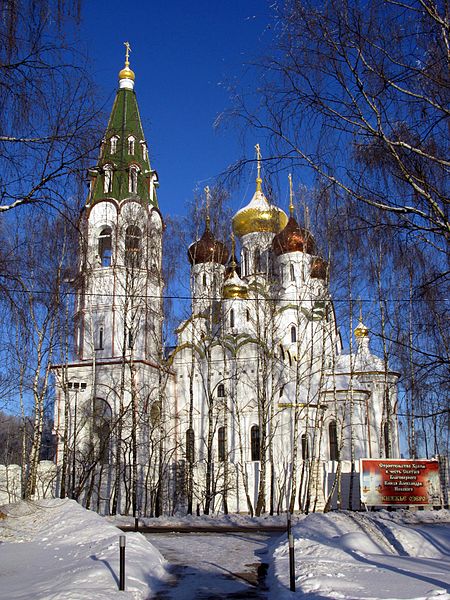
x,y
105,396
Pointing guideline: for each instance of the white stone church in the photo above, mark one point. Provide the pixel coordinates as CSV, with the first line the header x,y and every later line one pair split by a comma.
x,y
258,408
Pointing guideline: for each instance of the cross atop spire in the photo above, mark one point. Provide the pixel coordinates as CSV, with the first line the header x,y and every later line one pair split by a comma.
x,y
127,53
291,196
258,167
208,200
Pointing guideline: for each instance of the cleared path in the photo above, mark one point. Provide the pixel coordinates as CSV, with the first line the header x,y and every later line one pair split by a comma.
x,y
208,566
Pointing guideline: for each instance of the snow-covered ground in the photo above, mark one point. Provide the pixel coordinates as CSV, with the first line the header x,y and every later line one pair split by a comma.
x,y
55,549
383,555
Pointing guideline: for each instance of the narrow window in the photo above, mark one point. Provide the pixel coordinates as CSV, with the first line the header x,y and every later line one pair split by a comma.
x,y
245,254
131,145
133,179
108,179
102,422
386,440
291,267
190,446
231,318
247,314
144,150
293,334
257,261
113,142
255,443
221,443
305,447
204,280
221,391
133,246
105,247
281,390
332,434
130,339
100,339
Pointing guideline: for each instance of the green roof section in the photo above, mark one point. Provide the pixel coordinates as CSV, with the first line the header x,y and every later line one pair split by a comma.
x,y
123,169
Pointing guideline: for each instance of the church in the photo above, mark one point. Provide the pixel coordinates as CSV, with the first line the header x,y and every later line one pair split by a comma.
x,y
258,408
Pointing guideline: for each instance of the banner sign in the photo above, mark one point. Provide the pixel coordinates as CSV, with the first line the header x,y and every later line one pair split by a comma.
x,y
397,481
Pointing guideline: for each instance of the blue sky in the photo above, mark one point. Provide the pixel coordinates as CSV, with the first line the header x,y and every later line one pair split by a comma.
x,y
185,56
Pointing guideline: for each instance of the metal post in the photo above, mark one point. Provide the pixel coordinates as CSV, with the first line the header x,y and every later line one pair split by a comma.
x,y
136,523
291,554
122,540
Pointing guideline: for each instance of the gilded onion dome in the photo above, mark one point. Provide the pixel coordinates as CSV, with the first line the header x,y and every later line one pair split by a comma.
x,y
319,268
208,249
259,214
234,287
293,238
126,72
361,330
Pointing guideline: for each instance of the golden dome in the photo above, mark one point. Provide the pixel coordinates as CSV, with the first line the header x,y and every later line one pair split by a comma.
x,y
234,287
293,239
208,249
126,73
259,215
361,331
319,268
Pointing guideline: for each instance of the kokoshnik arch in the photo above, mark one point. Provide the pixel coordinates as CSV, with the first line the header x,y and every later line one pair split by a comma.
x,y
257,407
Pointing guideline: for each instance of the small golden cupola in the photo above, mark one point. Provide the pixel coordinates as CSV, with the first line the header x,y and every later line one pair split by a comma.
x,y
293,238
259,215
233,286
361,331
207,248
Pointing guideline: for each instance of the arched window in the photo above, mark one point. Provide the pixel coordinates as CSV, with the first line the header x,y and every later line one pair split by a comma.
x,y
245,261
386,436
293,334
130,339
292,272
100,339
155,412
144,150
281,391
221,391
133,179
108,179
113,141
255,443
221,443
132,246
257,261
231,318
332,435
130,144
247,314
102,420
305,447
105,247
204,280
190,445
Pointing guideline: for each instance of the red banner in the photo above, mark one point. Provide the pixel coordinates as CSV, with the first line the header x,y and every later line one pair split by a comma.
x,y
399,482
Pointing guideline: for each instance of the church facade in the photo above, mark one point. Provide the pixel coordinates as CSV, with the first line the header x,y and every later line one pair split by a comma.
x,y
257,408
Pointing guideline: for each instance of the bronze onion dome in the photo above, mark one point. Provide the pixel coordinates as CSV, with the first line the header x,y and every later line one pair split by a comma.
x,y
208,249
293,239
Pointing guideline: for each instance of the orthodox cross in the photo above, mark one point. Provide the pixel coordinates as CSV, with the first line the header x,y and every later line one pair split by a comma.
x,y
127,53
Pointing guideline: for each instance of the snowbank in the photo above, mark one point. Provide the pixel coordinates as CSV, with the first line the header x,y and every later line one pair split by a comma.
x,y
55,549
385,555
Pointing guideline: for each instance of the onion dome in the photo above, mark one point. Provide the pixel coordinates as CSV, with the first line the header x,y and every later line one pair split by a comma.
x,y
259,214
293,238
361,331
319,268
208,249
234,287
